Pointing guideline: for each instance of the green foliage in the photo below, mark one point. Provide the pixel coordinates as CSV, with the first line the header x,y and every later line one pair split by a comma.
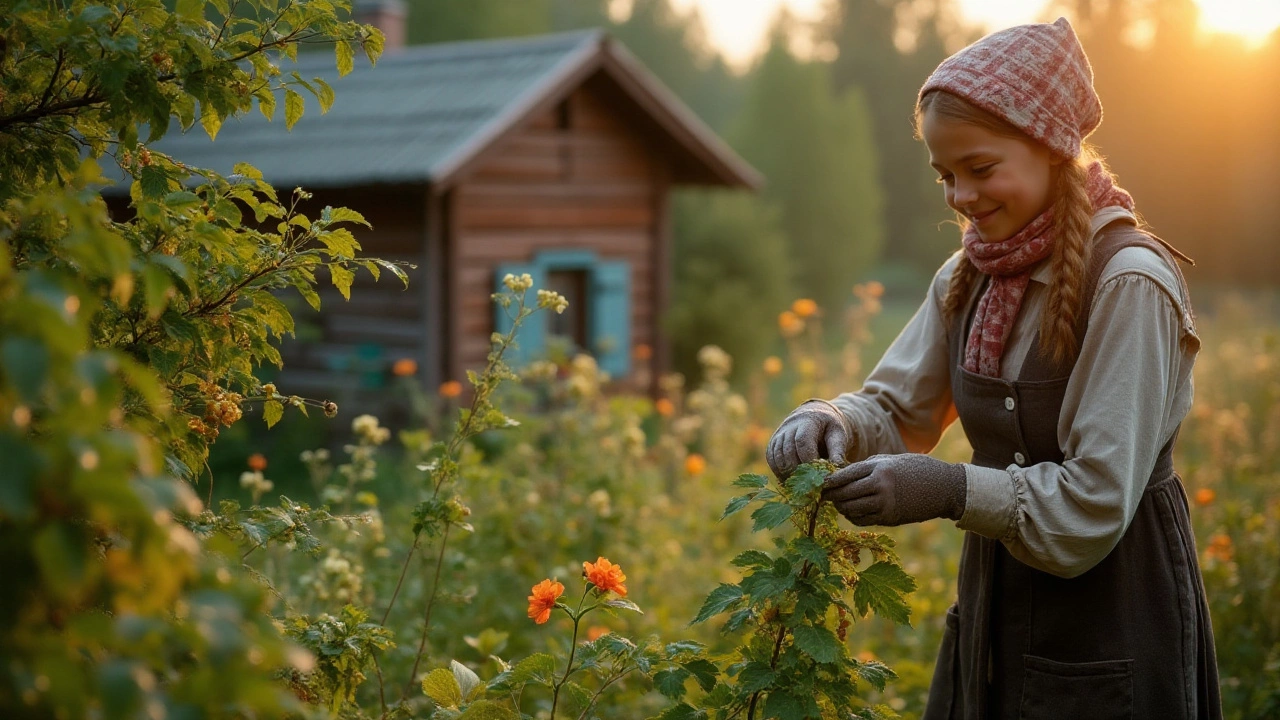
x,y
821,165
730,263
130,338
343,648
791,658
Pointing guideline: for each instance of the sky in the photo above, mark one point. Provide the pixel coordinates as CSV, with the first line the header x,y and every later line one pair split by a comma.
x,y
737,27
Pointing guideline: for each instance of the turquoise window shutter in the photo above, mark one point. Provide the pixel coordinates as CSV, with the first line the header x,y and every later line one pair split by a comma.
x,y
531,338
609,316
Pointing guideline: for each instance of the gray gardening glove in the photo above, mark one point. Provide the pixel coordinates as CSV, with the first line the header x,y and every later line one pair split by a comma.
x,y
814,430
897,489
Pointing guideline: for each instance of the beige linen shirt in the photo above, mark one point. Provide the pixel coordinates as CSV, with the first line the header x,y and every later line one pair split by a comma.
x,y
1129,390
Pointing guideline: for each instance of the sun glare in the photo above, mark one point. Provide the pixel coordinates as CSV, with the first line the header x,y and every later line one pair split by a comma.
x,y
1252,20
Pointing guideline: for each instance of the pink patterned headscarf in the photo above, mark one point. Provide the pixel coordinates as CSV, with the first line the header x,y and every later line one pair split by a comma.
x,y
1037,78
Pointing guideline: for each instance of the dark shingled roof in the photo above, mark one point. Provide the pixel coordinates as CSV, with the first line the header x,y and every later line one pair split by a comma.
x,y
424,111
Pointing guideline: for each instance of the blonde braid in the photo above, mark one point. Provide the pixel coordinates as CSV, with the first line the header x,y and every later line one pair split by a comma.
x,y
1073,213
962,279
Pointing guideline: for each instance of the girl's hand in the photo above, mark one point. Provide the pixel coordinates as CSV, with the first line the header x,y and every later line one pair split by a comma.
x,y
897,489
814,430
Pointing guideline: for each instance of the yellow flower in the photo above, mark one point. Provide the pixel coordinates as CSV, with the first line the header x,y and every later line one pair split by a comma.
x,y
804,307
606,576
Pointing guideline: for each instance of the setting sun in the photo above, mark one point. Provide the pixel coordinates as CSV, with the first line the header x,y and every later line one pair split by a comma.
x,y
1252,20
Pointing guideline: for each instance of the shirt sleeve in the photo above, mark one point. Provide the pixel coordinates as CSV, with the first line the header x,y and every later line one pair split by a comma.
x,y
1130,388
905,403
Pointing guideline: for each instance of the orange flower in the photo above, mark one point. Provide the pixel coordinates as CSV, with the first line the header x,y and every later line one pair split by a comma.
x,y
404,367
1220,547
450,389
1204,496
257,462
665,407
804,307
695,464
790,324
543,600
772,365
873,289
595,632
642,352
757,435
606,576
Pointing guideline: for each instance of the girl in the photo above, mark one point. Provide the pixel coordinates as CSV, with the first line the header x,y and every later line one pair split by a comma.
x,y
1061,337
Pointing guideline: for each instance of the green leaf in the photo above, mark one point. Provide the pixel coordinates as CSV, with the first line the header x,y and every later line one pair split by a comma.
x,y
294,106
487,710
809,549
704,671
718,601
266,103
623,604
324,94
342,278
876,673
575,698
395,270
806,480
770,515
345,57
752,558
749,480
468,681
784,706
538,668
442,687
737,504
272,411
154,182
343,214
670,682
156,285
769,583
880,588
818,643
755,676
682,711
210,120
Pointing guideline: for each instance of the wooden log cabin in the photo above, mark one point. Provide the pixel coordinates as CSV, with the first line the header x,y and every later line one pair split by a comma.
x,y
552,155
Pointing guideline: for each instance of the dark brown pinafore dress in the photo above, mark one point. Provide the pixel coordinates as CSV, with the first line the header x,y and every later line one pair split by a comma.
x,y
1130,638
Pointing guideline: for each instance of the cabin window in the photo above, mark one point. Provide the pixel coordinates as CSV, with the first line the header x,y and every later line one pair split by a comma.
x,y
598,319
571,325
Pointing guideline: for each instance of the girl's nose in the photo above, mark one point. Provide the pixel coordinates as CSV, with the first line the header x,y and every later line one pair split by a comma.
x,y
964,194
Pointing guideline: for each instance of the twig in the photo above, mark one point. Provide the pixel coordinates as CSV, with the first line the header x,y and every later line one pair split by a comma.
x,y
426,622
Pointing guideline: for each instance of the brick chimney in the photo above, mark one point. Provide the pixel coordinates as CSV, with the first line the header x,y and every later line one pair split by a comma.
x,y
386,15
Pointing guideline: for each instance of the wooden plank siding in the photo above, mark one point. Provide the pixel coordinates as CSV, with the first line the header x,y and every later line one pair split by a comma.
x,y
339,350
592,185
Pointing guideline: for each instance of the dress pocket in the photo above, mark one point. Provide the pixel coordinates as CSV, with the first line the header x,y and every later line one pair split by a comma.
x,y
945,686
1061,691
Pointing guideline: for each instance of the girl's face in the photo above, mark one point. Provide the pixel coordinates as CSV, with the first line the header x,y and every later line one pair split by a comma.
x,y
999,183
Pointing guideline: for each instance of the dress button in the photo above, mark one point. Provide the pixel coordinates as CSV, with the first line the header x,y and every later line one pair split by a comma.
x,y
1008,403
1019,458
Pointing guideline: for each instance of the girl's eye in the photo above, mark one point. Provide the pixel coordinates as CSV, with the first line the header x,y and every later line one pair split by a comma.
x,y
983,170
